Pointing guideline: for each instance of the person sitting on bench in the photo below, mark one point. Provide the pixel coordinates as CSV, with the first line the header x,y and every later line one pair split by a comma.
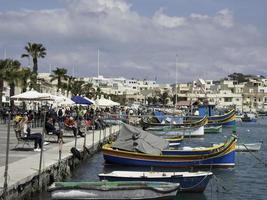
x,y
70,123
26,133
50,128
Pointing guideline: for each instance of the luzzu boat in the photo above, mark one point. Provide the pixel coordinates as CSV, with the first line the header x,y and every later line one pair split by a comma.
x,y
196,150
169,126
189,181
228,119
146,150
105,190
173,139
196,131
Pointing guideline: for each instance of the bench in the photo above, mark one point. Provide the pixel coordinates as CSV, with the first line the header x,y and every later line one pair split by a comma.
x,y
22,140
50,137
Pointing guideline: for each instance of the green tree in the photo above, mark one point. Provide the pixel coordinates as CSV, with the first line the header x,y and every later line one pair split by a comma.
x,y
12,76
60,74
89,90
70,81
35,51
24,77
164,98
77,87
98,93
3,67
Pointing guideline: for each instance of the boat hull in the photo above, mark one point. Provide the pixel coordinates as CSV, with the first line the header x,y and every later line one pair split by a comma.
x,y
213,129
226,160
105,190
226,120
186,132
194,183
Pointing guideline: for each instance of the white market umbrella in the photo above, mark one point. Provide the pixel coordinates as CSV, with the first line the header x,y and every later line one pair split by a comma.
x,y
63,101
32,95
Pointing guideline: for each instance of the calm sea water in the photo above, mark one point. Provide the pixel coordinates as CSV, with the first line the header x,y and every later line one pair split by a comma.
x,y
247,180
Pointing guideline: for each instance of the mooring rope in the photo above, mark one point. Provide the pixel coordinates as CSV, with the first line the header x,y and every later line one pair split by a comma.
x,y
218,181
255,156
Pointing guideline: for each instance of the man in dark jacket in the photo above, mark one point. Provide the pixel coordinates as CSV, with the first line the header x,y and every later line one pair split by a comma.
x,y
50,128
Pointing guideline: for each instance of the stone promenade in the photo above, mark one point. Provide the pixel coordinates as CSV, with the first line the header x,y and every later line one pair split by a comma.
x,y
24,162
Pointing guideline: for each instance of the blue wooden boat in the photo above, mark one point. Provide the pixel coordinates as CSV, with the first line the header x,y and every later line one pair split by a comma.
x,y
219,157
228,119
106,190
189,181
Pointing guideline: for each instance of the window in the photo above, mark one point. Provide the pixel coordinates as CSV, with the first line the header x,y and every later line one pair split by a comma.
x,y
227,99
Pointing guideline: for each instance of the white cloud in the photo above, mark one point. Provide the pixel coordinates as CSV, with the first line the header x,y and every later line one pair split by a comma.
x,y
133,45
224,18
167,21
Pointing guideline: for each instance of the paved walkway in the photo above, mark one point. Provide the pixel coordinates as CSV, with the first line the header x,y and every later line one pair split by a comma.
x,y
23,165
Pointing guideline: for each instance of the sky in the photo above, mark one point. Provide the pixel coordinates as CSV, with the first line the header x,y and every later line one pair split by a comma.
x,y
142,39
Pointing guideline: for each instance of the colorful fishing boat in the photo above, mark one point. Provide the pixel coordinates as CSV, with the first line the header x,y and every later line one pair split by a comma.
x,y
156,126
106,190
136,147
249,147
186,150
189,181
173,139
227,119
213,129
196,131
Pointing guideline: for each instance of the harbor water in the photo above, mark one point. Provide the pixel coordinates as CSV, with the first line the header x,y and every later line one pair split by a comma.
x,y
247,180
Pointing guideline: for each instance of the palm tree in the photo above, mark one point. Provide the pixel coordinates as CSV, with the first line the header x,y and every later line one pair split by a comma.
x,y
3,66
69,84
77,87
33,82
25,75
12,76
88,90
34,51
98,93
59,75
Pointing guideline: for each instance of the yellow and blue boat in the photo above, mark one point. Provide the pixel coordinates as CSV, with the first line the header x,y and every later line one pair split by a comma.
x,y
228,119
143,153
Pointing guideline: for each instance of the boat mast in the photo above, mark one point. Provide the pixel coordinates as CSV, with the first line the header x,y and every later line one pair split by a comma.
x,y
97,62
175,82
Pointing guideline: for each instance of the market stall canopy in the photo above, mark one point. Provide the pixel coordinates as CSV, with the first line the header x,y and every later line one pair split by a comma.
x,y
63,101
102,102
93,102
81,100
32,95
